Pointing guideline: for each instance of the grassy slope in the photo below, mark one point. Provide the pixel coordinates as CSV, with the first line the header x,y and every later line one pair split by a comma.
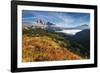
x,y
40,45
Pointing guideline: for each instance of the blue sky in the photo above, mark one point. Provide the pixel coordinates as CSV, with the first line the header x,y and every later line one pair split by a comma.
x,y
62,19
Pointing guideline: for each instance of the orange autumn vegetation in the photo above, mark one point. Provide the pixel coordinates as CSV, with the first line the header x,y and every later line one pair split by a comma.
x,y
44,48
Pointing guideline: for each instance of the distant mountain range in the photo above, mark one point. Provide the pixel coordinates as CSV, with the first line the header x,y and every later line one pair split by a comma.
x,y
50,26
42,24
84,26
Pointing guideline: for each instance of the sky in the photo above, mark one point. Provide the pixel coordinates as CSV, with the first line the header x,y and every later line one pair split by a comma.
x,y
61,19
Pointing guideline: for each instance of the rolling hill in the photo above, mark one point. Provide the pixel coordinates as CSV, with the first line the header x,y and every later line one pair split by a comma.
x,y
43,45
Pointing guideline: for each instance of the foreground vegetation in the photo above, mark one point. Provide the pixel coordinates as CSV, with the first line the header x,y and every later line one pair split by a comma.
x,y
43,45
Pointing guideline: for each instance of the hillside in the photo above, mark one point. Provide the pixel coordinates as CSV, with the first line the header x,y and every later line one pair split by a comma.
x,y
43,45
83,38
44,49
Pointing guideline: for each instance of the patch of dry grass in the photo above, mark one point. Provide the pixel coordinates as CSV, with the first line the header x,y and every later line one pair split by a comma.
x,y
44,48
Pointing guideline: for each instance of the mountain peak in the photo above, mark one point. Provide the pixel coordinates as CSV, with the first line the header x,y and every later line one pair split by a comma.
x,y
84,26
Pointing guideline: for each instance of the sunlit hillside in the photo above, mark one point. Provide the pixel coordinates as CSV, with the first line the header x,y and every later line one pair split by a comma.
x,y
43,45
44,49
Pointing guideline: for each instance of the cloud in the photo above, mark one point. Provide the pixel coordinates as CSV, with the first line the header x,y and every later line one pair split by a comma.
x,y
62,19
